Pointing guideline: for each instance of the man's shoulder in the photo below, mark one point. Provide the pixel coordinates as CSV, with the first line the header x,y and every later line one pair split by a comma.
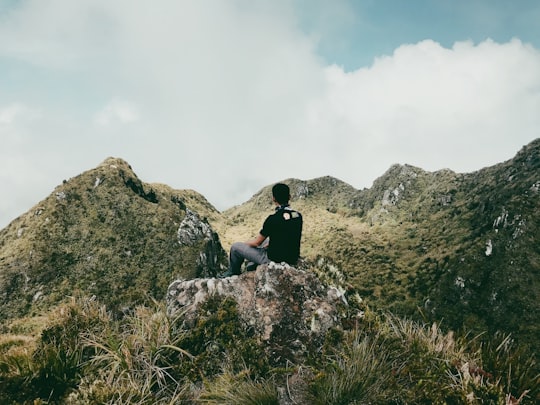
x,y
288,213
293,210
295,214
284,212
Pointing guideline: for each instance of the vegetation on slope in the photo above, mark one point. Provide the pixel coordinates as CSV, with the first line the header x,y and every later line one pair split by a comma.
x,y
432,246
461,248
82,355
104,233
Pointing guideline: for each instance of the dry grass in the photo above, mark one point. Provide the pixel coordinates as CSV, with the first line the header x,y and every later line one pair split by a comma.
x,y
86,357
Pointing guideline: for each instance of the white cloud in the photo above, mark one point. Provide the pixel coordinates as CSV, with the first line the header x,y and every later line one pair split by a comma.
x,y
16,111
117,111
460,108
228,97
8,114
20,178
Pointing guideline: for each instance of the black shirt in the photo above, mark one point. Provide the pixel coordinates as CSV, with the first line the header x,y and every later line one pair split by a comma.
x,y
284,228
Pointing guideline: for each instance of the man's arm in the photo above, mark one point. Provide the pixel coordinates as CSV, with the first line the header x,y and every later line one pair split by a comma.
x,y
257,241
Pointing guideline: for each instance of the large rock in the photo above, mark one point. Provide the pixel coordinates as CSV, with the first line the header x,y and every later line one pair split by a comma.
x,y
196,232
288,309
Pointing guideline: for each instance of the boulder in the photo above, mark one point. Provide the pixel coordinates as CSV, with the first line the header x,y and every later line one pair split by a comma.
x,y
289,310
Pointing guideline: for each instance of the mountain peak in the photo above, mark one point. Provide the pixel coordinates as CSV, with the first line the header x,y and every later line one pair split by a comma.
x,y
115,162
105,233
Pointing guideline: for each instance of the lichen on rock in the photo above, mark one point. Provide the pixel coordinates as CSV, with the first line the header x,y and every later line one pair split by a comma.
x,y
192,229
288,309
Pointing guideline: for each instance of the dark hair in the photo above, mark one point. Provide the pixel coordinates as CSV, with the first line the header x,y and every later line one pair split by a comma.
x,y
281,193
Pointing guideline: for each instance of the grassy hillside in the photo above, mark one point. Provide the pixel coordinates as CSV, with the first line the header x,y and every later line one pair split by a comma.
x,y
458,249
103,233
463,248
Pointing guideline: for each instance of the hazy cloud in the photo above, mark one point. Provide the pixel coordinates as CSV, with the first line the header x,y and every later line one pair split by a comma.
x,y
460,108
227,97
117,111
16,111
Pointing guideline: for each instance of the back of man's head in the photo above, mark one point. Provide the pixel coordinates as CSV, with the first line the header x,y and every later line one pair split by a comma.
x,y
281,193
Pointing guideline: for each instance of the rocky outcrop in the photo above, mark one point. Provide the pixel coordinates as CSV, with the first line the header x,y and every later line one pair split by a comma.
x,y
289,310
194,231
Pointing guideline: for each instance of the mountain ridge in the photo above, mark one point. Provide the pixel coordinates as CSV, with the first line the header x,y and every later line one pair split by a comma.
x,y
106,233
415,239
438,274
435,245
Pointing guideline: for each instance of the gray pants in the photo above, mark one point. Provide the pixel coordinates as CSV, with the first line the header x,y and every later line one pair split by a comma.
x,y
241,251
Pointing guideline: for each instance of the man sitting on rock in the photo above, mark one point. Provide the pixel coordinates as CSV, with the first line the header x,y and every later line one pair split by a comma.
x,y
278,240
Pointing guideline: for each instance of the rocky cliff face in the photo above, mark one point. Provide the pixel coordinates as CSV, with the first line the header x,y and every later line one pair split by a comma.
x,y
108,234
288,310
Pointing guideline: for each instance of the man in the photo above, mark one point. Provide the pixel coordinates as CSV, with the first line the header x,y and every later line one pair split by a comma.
x,y
278,240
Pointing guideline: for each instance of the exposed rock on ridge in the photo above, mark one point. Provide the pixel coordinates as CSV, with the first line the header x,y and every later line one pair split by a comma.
x,y
288,309
191,232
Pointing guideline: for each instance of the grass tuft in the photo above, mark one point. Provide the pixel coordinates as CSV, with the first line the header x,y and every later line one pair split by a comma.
x,y
85,356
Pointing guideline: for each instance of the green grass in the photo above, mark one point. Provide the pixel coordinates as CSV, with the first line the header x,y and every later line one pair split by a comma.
x,y
85,356
238,389
117,241
401,361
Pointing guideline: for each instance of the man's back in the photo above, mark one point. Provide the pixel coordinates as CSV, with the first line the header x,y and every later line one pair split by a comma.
x,y
284,228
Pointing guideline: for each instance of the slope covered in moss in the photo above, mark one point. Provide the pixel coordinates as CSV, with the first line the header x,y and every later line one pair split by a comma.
x,y
108,234
461,248
432,245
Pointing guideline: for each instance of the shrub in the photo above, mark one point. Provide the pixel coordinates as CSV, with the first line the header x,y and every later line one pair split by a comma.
x,y
512,367
138,358
55,366
220,337
401,361
360,373
238,389
83,356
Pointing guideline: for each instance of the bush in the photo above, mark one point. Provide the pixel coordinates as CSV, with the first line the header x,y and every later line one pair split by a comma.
x,y
360,373
400,361
512,367
137,358
219,337
55,365
83,356
239,389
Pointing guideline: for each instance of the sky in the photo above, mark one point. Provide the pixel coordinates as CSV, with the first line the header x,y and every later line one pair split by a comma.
x,y
228,96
